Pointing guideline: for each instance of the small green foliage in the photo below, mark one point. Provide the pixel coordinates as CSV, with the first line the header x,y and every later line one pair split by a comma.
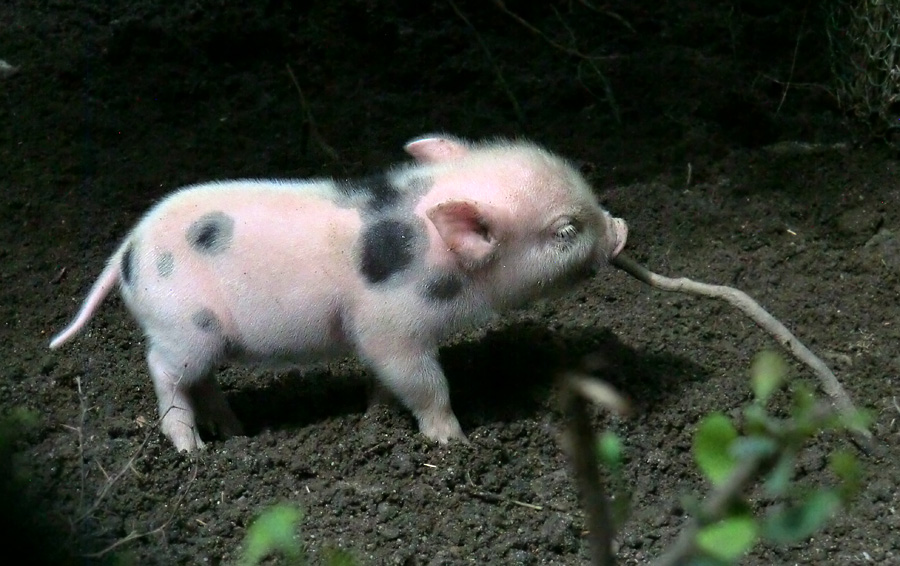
x,y
846,467
778,480
858,420
13,427
728,539
20,417
804,401
14,424
724,526
339,557
275,530
610,450
611,453
753,446
704,560
712,447
770,444
795,523
767,372
123,558
757,420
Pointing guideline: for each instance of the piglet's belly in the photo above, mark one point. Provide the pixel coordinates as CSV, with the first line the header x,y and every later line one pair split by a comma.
x,y
281,335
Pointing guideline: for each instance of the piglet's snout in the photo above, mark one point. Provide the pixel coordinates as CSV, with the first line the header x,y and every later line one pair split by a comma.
x,y
621,232
613,243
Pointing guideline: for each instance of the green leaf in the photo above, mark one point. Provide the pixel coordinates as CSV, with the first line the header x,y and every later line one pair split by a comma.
x,y
753,447
804,400
757,420
620,508
796,523
610,450
779,479
767,372
339,557
123,558
845,466
860,419
16,423
729,539
274,530
706,561
711,447
23,417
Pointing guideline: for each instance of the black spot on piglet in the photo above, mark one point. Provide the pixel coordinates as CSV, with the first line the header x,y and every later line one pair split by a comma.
x,y
211,234
443,287
206,320
380,191
128,265
387,248
165,264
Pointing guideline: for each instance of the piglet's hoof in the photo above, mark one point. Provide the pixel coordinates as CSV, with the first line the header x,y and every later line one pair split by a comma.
x,y
442,429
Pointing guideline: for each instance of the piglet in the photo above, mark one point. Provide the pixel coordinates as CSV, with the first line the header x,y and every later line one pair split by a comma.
x,y
384,267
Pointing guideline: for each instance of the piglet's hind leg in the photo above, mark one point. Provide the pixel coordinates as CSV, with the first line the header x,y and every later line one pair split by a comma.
x,y
176,408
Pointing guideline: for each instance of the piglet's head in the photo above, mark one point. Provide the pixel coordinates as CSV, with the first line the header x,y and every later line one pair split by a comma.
x,y
521,221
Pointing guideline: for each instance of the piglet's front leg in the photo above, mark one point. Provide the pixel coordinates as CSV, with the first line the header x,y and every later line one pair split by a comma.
x,y
412,373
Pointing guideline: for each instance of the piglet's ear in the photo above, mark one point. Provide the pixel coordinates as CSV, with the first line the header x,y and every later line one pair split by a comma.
x,y
466,230
434,149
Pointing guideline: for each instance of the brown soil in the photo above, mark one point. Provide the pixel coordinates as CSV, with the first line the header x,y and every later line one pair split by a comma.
x,y
119,102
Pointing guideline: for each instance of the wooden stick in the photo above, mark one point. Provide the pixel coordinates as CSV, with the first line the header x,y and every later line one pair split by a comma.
x,y
760,316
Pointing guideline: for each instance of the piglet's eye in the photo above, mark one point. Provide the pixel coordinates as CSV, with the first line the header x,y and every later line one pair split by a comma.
x,y
567,232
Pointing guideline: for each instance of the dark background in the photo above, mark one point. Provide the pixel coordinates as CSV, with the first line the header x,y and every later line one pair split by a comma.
x,y
713,128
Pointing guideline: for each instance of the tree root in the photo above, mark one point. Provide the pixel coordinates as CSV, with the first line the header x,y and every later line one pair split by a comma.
x,y
761,317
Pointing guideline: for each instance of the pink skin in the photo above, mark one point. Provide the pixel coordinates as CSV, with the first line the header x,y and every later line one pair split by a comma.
x,y
509,220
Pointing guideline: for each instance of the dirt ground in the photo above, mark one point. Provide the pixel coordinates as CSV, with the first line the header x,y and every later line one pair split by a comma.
x,y
723,171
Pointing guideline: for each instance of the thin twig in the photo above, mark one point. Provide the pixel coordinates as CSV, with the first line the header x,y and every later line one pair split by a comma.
x,y
795,85
714,506
520,116
607,12
112,481
760,316
581,443
787,85
59,276
79,431
573,51
129,465
496,497
133,535
313,129
569,50
82,419
717,505
607,87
